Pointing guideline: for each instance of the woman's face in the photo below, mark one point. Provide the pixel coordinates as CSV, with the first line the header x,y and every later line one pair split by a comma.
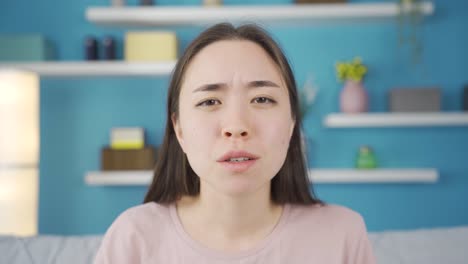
x,y
235,120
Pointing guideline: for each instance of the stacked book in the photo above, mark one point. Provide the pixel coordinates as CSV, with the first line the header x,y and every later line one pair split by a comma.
x,y
128,151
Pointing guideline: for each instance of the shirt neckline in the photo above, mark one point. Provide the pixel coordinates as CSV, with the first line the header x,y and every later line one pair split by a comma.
x,y
199,247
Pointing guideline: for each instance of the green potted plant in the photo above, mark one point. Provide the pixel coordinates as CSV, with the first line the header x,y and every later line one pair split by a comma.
x,y
410,17
307,96
353,96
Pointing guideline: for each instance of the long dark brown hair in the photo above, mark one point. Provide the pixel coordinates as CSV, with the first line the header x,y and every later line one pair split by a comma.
x,y
173,176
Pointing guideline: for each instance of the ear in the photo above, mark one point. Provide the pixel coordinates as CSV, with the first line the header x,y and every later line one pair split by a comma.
x,y
177,130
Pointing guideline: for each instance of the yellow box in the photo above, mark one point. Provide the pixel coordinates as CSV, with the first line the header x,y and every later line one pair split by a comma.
x,y
128,145
127,138
150,46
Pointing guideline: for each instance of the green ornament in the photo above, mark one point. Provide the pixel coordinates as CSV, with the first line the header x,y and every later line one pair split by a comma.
x,y
366,158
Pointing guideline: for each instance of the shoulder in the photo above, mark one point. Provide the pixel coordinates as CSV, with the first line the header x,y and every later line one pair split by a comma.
x,y
141,219
331,233
331,217
325,212
149,211
134,234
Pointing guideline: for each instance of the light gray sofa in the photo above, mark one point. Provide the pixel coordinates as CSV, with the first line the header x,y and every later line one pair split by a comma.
x,y
48,249
424,246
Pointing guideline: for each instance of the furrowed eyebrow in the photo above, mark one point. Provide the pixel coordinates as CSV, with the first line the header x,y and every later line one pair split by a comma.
x,y
256,84
220,86
210,87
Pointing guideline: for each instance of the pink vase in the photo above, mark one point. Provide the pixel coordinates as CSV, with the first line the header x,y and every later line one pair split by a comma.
x,y
353,97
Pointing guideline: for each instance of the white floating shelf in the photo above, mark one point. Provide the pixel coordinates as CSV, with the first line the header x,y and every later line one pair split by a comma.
x,y
397,119
199,15
374,176
90,69
143,178
124,178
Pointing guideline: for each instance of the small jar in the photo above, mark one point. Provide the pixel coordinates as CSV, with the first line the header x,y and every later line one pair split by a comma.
x,y
109,46
91,48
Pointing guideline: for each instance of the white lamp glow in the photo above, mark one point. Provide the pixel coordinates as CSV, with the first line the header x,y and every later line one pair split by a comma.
x,y
19,152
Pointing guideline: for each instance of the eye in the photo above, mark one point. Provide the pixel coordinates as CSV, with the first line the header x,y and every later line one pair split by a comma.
x,y
263,100
209,102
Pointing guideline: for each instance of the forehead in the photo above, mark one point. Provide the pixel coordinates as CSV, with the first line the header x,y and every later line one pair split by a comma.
x,y
229,60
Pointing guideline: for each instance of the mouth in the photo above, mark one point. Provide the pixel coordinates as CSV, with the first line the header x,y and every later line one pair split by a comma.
x,y
238,161
237,156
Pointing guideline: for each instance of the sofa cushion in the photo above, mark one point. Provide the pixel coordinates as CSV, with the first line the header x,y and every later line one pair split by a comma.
x,y
48,249
428,246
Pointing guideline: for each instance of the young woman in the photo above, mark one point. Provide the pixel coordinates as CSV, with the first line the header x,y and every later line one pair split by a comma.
x,y
230,185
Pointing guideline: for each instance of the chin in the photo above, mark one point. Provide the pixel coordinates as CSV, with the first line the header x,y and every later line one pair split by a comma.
x,y
242,188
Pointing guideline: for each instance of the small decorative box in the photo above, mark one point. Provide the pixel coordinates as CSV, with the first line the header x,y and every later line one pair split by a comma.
x,y
150,46
127,138
28,47
128,159
415,100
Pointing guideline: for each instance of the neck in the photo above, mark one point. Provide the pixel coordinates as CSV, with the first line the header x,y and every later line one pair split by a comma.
x,y
229,221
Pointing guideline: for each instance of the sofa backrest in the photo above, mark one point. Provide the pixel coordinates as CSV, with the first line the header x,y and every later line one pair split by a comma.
x,y
428,246
46,249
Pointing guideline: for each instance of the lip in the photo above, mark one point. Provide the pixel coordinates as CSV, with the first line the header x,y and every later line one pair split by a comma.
x,y
240,166
237,154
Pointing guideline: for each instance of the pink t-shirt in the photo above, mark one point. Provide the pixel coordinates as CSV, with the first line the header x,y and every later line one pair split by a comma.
x,y
153,233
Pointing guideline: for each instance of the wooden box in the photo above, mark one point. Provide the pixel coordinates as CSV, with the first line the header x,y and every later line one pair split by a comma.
x,y
319,1
128,159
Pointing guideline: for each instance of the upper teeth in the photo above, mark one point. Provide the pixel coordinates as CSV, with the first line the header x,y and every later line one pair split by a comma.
x,y
239,159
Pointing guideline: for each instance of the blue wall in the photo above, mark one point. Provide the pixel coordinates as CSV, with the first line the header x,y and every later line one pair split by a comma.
x,y
77,114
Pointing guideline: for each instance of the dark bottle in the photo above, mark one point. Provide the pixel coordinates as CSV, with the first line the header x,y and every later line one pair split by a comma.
x,y
465,98
109,48
91,48
146,2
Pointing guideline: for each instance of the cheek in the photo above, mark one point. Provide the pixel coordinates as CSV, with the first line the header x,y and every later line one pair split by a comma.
x,y
277,133
198,133
199,138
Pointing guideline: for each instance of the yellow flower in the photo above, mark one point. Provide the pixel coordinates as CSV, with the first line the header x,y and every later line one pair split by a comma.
x,y
353,70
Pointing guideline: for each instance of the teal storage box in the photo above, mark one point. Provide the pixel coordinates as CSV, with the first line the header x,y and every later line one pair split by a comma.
x,y
30,47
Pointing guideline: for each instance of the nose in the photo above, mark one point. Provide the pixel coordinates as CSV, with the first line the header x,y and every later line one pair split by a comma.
x,y
235,133
236,124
